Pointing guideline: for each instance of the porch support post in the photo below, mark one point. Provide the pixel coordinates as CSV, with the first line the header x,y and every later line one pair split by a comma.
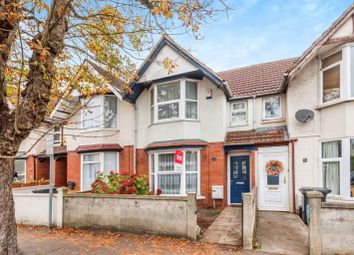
x,y
315,239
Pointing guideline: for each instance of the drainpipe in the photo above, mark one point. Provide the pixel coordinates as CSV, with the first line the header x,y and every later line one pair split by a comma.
x,y
293,170
254,113
135,137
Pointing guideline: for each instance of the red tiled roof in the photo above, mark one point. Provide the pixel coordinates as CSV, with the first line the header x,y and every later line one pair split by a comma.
x,y
256,137
257,80
176,143
98,147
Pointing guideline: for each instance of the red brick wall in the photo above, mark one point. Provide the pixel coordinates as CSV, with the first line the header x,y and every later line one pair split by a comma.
x,y
42,169
126,159
74,168
30,174
253,168
142,162
60,174
213,172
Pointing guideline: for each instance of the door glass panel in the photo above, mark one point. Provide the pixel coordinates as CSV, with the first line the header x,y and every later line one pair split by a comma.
x,y
273,179
244,170
235,170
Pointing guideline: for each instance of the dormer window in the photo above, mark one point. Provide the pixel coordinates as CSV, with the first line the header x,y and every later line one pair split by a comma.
x,y
331,77
174,100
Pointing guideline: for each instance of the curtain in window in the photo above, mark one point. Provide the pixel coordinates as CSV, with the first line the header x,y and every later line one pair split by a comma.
x,y
352,167
169,183
331,176
191,110
168,92
89,174
110,112
191,90
166,162
110,162
272,107
92,116
167,111
191,171
331,149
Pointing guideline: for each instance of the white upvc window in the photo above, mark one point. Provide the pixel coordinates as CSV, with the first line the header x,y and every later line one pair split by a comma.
x,y
331,77
331,159
238,113
174,179
20,169
100,112
174,100
94,162
57,135
272,108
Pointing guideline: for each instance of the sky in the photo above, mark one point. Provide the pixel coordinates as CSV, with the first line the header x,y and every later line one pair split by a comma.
x,y
258,31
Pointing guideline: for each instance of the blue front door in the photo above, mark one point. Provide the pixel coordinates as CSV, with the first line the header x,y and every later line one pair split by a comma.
x,y
239,177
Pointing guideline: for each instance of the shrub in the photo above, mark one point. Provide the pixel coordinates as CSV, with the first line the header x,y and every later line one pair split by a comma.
x,y
115,183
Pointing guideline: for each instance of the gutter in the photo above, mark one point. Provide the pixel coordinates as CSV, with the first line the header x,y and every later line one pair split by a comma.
x,y
293,171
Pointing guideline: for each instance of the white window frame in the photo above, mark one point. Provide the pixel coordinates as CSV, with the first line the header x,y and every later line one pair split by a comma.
x,y
153,176
337,159
231,110
25,172
341,76
280,106
100,161
59,132
102,101
181,102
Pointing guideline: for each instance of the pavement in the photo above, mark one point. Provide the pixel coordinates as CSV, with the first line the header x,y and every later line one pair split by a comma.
x,y
226,229
281,233
69,241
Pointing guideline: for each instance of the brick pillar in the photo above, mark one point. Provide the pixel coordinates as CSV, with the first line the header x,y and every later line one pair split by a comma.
x,y
142,162
315,239
74,168
60,172
42,169
30,171
253,168
126,160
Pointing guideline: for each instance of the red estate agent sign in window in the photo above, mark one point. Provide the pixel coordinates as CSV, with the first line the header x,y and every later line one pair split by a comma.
x,y
179,157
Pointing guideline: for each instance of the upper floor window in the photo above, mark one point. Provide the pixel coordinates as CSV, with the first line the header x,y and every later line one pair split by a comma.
x,y
272,108
57,135
174,100
331,77
238,113
100,112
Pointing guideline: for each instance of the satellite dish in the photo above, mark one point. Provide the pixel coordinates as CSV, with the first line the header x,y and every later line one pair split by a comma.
x,y
304,115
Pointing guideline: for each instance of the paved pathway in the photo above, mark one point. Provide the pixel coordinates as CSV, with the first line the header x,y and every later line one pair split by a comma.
x,y
281,233
40,241
226,229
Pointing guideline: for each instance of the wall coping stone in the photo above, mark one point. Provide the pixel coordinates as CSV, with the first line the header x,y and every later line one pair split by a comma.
x,y
338,205
314,194
127,196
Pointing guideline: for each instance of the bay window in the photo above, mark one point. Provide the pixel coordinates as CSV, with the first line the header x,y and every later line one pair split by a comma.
x,y
238,113
95,162
331,165
331,77
100,113
272,108
174,100
174,179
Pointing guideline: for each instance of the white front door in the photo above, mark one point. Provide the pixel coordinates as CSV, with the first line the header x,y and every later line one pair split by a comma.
x,y
273,193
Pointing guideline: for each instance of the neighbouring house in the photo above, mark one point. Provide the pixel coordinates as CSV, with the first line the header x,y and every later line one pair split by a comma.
x,y
234,129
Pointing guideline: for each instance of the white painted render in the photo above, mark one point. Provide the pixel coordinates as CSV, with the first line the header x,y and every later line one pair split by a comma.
x,y
156,69
345,30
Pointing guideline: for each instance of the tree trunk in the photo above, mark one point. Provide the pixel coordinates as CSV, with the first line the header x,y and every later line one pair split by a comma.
x,y
8,232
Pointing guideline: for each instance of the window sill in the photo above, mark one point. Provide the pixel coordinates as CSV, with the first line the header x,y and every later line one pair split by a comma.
x,y
173,121
278,120
335,102
238,125
99,130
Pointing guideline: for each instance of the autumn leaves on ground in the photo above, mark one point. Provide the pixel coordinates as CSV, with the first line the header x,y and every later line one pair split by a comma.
x,y
39,240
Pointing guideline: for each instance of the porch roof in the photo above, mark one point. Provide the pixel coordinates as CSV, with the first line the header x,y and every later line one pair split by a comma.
x,y
57,150
181,143
257,136
99,147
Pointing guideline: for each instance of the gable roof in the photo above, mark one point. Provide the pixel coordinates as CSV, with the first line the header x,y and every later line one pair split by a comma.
x,y
316,45
257,80
166,40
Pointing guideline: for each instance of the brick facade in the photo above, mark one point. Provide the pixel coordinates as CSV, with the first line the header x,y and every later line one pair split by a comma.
x,y
74,168
142,162
126,159
42,168
59,172
30,168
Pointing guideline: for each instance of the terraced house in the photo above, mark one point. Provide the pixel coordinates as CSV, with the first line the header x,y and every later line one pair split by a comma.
x,y
279,126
